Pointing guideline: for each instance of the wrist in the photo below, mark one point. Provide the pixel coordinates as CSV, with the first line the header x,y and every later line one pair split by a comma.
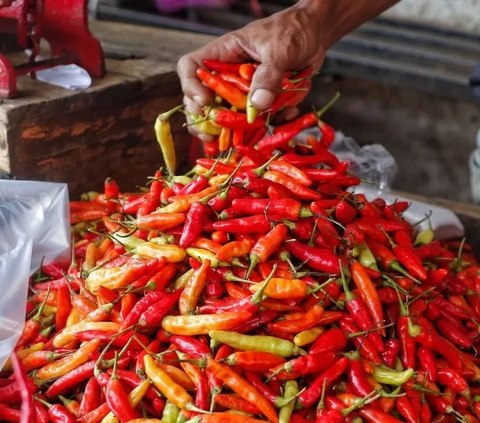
x,y
321,15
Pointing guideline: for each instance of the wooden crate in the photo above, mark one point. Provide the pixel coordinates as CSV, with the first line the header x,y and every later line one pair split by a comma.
x,y
81,137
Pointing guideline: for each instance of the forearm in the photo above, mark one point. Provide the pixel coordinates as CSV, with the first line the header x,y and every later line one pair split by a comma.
x,y
343,16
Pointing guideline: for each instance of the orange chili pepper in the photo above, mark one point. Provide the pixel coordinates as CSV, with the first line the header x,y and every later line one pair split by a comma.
x,y
65,365
266,246
164,383
368,292
234,249
242,388
224,140
207,244
193,289
291,171
203,324
308,321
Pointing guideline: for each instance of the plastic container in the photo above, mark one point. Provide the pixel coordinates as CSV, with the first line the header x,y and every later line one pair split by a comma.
x,y
474,163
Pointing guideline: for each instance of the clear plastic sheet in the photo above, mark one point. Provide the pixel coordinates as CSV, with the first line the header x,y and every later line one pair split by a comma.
x,y
34,224
375,164
371,162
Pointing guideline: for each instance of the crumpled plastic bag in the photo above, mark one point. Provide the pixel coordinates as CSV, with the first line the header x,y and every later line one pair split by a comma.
x,y
374,163
34,224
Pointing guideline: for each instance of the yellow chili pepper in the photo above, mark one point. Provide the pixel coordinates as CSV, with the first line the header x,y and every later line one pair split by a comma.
x,y
202,255
68,334
164,383
165,139
172,253
91,256
193,289
134,399
109,277
49,310
206,126
74,317
217,180
24,353
308,336
178,376
204,323
146,421
182,203
182,280
60,367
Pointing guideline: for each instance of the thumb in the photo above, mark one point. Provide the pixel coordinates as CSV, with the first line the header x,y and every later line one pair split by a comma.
x,y
266,83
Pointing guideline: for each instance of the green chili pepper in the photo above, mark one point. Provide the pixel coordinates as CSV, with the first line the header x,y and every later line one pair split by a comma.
x,y
163,239
425,237
181,281
366,257
129,242
291,389
269,344
170,413
391,377
202,255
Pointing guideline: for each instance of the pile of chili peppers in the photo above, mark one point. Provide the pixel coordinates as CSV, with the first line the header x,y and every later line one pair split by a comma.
x,y
256,287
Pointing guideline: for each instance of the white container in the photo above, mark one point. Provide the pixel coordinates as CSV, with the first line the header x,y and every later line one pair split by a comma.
x,y
474,163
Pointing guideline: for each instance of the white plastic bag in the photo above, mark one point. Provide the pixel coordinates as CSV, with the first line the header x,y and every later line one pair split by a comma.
x,y
374,163
34,223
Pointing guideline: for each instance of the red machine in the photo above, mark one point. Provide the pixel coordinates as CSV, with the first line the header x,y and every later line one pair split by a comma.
x,y
63,23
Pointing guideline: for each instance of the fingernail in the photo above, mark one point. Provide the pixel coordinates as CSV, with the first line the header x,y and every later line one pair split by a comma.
x,y
199,100
262,98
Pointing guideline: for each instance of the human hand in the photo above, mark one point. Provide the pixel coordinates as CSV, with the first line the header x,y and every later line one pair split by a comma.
x,y
291,39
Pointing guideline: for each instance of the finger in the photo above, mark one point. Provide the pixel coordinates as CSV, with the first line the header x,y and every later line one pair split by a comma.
x,y
192,107
266,83
286,115
225,48
196,133
192,87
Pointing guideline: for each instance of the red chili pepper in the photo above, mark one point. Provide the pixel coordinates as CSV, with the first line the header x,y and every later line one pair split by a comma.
x,y
255,322
70,380
91,398
367,350
452,333
406,410
320,157
308,397
392,348
236,403
244,225
191,346
193,224
361,316
224,89
287,208
236,81
298,190
221,67
427,361
8,414
453,379
426,335
318,259
156,312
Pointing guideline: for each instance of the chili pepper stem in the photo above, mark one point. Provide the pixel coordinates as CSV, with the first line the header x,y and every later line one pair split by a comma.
x,y
329,104
259,171
167,115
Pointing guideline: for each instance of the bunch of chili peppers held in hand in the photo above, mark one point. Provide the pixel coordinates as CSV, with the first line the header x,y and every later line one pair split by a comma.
x,y
258,287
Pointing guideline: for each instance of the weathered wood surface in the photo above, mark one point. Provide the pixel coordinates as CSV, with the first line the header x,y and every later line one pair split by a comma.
x,y
81,137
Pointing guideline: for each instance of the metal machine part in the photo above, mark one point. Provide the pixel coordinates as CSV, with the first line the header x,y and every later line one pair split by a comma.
x,y
62,23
